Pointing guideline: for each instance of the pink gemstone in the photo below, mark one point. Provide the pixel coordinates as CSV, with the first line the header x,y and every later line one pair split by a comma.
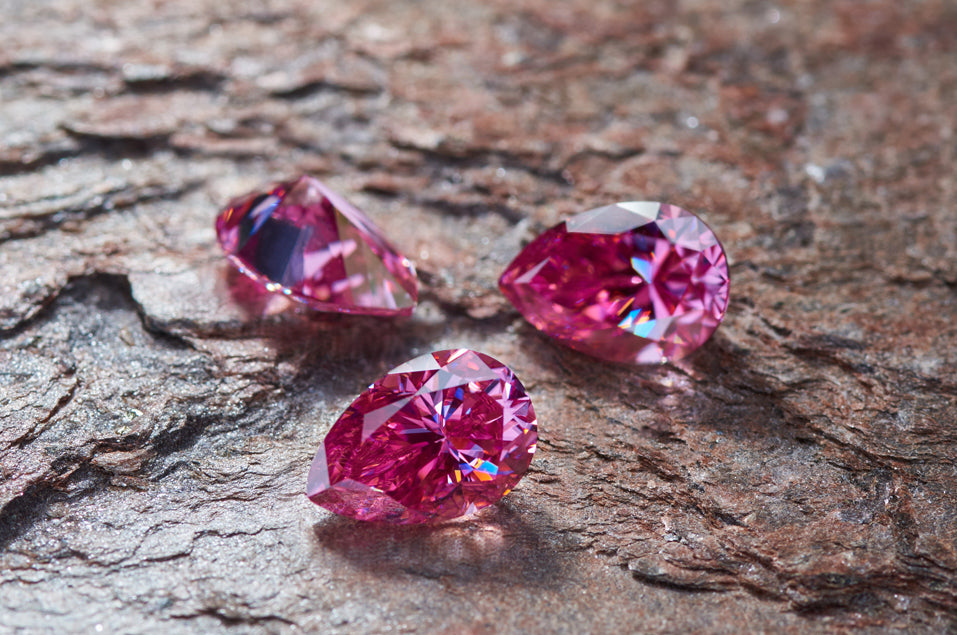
x,y
304,240
439,437
633,282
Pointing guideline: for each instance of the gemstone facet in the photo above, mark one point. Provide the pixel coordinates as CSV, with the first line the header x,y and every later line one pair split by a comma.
x,y
439,437
634,282
305,240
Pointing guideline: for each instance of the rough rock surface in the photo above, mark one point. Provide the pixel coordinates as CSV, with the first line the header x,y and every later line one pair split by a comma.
x,y
158,418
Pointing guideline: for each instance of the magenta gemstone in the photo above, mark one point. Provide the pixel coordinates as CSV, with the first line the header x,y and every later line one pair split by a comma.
x,y
306,241
439,437
633,282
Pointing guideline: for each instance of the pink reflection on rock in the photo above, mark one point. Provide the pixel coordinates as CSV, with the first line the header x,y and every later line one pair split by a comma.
x,y
439,437
252,297
633,282
307,242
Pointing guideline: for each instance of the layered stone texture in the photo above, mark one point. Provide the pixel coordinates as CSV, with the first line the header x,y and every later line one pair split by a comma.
x,y
303,239
634,282
439,437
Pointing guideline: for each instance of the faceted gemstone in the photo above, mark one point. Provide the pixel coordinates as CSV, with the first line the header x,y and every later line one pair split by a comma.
x,y
303,239
633,282
441,436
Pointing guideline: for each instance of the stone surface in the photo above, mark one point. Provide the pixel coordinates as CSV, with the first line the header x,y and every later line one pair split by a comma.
x,y
441,436
795,475
305,241
636,282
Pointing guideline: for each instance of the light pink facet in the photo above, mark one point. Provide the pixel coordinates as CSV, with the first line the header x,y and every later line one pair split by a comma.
x,y
632,282
439,437
306,241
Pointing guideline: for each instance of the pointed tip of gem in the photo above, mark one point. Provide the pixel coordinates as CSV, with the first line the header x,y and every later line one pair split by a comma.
x,y
634,282
430,441
304,240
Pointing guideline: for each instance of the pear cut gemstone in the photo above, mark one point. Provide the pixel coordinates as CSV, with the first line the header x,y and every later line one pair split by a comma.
x,y
634,282
439,437
306,241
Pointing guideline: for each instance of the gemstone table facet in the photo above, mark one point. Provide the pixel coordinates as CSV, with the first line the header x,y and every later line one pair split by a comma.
x,y
634,282
306,241
439,437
